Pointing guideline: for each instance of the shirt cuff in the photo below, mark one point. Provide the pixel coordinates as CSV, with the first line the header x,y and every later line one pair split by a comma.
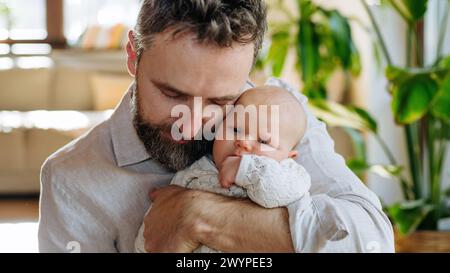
x,y
309,230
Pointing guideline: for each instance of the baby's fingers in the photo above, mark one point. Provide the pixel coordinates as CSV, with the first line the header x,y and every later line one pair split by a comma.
x,y
225,180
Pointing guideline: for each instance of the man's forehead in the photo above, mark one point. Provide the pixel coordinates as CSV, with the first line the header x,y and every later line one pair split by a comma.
x,y
197,70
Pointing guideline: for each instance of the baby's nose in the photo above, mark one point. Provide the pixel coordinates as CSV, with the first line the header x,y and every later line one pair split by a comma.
x,y
243,145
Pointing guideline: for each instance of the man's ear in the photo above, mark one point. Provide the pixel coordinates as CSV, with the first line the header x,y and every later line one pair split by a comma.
x,y
131,54
293,154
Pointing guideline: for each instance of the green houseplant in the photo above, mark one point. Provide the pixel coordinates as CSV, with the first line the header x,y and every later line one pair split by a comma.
x,y
421,104
420,94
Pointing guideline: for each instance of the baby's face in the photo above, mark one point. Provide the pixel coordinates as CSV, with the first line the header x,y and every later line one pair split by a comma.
x,y
278,141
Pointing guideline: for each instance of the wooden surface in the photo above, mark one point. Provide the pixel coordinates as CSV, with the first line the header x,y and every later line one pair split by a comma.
x,y
19,210
423,242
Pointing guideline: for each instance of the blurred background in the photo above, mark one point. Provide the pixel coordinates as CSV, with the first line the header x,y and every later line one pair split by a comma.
x,y
62,71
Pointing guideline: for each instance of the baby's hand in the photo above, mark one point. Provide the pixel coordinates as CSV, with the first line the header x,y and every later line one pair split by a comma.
x,y
228,171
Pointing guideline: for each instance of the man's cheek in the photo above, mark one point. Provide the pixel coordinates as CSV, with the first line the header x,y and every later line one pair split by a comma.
x,y
160,112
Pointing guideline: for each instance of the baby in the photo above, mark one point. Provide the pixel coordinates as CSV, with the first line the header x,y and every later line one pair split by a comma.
x,y
250,164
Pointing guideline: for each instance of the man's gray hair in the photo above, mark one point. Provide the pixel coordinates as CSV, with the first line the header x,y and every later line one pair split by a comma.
x,y
222,22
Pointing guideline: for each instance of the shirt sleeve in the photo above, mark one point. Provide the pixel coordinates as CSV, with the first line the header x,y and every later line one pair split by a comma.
x,y
270,183
65,224
341,214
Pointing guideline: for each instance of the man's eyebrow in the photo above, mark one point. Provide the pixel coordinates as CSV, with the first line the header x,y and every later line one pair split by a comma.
x,y
167,87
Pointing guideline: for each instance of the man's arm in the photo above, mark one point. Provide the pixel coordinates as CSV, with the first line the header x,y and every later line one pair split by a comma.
x,y
318,224
65,223
233,225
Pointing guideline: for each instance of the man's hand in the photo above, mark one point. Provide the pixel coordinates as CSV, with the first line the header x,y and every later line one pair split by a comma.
x,y
228,171
171,224
181,220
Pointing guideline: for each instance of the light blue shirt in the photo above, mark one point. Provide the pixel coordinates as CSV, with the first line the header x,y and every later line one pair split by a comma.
x,y
94,193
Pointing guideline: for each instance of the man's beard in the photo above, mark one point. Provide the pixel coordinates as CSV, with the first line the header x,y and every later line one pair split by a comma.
x,y
173,155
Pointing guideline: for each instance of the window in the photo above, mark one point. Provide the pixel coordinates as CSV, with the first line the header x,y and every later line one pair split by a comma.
x,y
24,34
23,20
79,14
35,27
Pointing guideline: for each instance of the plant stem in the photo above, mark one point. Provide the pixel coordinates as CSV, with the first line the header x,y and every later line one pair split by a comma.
x,y
435,163
442,148
411,132
430,153
418,42
442,33
413,155
386,150
378,33
409,42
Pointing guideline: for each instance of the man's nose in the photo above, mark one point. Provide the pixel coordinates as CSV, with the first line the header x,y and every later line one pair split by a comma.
x,y
194,124
192,128
243,145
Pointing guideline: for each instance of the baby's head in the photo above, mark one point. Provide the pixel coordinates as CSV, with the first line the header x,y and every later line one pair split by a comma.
x,y
276,144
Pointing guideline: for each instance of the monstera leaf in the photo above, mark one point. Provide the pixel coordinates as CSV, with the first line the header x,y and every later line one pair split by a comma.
x,y
412,93
335,114
386,171
342,38
441,103
396,75
411,10
444,63
308,51
409,215
412,99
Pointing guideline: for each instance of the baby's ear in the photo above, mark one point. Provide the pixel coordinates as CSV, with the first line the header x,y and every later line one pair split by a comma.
x,y
293,154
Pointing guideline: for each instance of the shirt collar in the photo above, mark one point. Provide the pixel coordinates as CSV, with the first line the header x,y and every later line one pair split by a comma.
x,y
128,148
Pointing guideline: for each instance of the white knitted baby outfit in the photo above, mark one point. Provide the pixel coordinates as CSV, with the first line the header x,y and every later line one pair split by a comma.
x,y
265,181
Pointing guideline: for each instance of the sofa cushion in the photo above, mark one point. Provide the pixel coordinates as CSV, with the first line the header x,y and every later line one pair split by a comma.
x,y
71,90
28,138
25,89
13,149
108,89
